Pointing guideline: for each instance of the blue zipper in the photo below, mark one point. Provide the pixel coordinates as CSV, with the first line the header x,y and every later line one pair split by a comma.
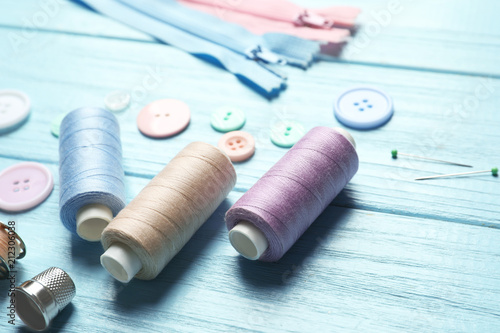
x,y
252,59
298,52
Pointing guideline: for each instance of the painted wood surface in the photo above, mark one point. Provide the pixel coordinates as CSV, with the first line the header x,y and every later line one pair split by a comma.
x,y
389,255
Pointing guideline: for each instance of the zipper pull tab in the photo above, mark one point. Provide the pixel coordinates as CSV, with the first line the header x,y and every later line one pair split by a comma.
x,y
268,57
313,20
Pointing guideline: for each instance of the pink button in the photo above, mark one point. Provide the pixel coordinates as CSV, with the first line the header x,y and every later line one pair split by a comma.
x,y
163,118
238,145
24,186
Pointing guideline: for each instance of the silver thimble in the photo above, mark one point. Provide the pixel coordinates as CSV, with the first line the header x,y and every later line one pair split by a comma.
x,y
40,299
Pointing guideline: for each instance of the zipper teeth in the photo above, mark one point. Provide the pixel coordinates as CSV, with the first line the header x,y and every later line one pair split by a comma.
x,y
190,21
257,76
299,52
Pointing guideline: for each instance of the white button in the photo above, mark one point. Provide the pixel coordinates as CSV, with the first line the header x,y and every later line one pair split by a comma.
x,y
363,108
117,100
14,109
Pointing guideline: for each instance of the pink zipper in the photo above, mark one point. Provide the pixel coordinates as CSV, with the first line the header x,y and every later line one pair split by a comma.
x,y
286,11
263,16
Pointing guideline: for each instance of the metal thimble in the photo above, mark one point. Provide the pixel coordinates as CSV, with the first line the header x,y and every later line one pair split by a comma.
x,y
41,298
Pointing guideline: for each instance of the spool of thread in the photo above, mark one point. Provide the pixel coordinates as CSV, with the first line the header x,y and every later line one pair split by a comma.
x,y
90,170
269,218
153,228
11,248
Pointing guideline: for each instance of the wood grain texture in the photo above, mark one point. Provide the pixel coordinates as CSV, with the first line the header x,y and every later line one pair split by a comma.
x,y
389,255
353,270
430,35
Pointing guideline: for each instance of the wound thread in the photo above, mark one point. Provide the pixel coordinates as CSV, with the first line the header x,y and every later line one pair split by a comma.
x,y
172,207
11,248
90,171
292,194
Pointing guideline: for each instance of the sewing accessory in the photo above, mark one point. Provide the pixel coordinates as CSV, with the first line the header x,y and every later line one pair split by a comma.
x,y
12,248
117,101
156,224
55,125
494,172
231,47
395,154
286,133
40,299
24,185
163,118
269,218
227,119
299,22
14,109
238,145
281,13
363,108
92,188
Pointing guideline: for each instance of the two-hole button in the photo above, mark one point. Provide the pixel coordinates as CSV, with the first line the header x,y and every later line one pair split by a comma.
x,y
286,133
227,119
163,118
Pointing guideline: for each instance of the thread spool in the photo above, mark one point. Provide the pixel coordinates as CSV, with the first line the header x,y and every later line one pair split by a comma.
x,y
90,170
269,218
152,229
12,247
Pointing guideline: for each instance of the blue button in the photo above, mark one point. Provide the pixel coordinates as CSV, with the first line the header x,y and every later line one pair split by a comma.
x,y
363,108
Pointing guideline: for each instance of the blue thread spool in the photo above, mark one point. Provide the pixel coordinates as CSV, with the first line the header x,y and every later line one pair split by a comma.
x,y
91,175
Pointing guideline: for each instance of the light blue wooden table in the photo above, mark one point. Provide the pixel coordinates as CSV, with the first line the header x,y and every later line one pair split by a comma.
x,y
389,255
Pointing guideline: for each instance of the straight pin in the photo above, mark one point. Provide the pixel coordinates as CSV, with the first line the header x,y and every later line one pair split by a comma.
x,y
395,154
494,172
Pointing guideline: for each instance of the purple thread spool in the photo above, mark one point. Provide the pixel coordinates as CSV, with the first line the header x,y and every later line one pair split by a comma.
x,y
269,218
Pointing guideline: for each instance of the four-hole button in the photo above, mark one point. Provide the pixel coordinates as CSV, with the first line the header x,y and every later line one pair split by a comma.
x,y
24,186
238,145
363,108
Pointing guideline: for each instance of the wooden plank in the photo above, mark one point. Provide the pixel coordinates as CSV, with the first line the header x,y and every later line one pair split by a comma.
x,y
452,117
352,271
426,35
364,265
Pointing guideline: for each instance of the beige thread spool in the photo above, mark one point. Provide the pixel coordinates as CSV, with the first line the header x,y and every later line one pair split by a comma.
x,y
153,228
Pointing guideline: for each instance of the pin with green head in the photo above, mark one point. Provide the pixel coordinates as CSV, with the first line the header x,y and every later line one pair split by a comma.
x,y
494,172
395,154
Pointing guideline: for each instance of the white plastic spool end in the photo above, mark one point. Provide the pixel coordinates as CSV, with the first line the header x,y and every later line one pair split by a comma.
x,y
91,221
248,240
121,262
346,135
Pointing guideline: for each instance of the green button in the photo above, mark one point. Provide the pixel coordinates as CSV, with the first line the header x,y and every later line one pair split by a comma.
x,y
56,124
285,134
228,119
